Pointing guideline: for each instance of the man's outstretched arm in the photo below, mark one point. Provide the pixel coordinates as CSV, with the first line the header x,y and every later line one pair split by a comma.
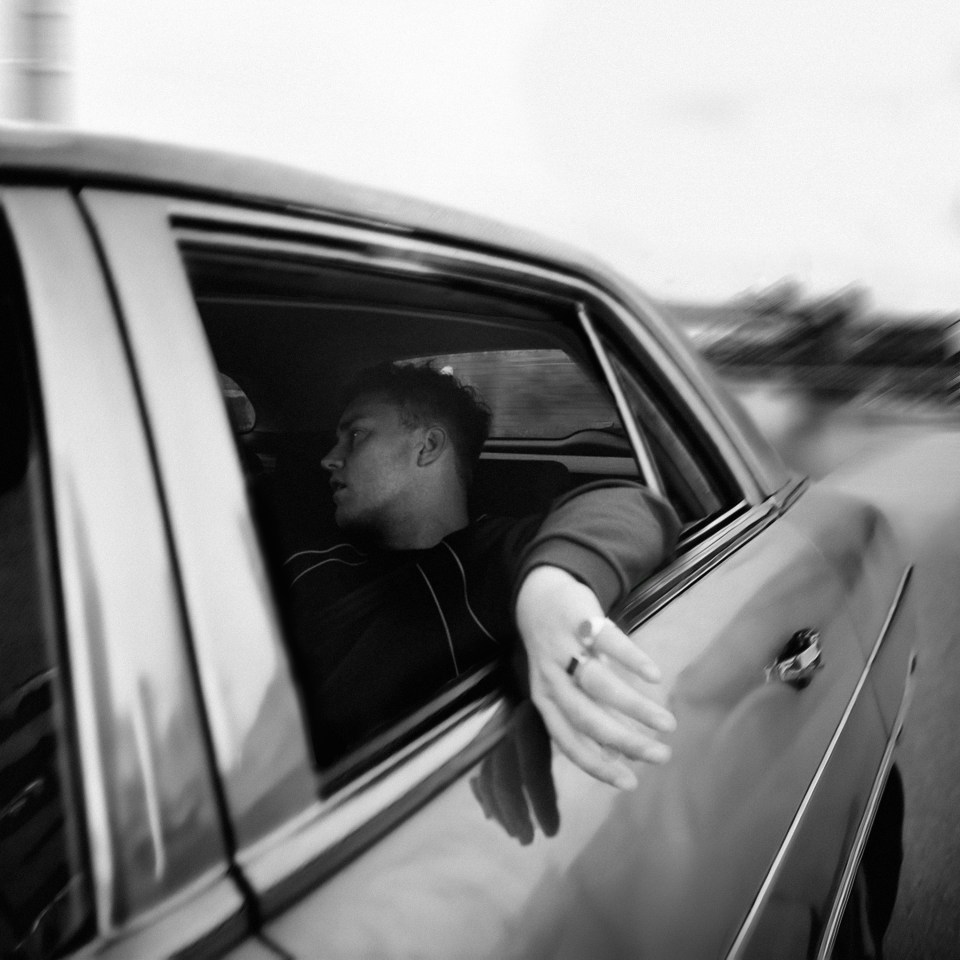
x,y
594,546
587,713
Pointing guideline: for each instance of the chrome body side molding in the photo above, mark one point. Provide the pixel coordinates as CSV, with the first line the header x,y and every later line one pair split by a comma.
x,y
832,925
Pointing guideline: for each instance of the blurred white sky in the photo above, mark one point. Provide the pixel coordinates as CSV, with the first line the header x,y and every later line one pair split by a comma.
x,y
700,146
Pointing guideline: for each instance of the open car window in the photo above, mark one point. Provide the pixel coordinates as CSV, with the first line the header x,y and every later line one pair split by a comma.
x,y
536,394
288,328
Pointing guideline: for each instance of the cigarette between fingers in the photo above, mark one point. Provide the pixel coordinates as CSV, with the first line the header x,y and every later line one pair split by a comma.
x,y
589,630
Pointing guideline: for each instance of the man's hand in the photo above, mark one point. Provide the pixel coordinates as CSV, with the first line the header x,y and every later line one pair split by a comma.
x,y
591,713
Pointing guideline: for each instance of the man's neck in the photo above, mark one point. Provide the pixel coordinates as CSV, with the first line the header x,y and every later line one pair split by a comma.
x,y
422,532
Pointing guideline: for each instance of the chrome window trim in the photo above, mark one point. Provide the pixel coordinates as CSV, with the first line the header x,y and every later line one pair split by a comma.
x,y
638,441
791,493
122,617
749,923
738,525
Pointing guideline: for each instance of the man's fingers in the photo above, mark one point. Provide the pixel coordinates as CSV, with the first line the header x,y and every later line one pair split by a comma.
x,y
587,755
604,687
606,730
583,670
610,640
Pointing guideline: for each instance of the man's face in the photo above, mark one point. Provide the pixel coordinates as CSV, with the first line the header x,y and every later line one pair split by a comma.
x,y
373,466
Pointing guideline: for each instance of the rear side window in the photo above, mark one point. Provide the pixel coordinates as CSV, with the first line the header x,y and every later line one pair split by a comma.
x,y
541,394
45,902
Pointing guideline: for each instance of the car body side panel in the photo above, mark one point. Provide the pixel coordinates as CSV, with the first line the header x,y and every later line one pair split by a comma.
x,y
623,869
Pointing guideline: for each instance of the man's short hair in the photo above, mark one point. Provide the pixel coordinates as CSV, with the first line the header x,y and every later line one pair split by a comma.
x,y
424,395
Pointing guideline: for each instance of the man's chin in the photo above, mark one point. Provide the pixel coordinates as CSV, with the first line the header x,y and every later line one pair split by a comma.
x,y
353,524
343,520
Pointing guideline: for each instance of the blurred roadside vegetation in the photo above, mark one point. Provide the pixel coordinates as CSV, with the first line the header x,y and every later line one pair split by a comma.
x,y
835,347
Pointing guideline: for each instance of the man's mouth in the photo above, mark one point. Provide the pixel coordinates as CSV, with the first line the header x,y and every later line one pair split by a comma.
x,y
337,486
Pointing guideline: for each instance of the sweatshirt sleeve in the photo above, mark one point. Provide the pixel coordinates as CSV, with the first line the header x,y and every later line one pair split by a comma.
x,y
610,535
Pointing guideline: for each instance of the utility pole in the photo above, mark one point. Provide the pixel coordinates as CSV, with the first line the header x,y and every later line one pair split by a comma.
x,y
42,73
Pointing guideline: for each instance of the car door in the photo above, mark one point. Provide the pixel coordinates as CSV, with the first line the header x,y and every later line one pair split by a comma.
x,y
737,847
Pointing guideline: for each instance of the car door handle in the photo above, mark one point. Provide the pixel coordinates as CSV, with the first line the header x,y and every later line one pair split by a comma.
x,y
799,660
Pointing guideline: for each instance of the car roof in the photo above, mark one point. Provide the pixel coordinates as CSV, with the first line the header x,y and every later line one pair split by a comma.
x,y
46,154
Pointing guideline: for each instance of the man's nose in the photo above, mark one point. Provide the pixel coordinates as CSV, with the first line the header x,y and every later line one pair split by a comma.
x,y
333,459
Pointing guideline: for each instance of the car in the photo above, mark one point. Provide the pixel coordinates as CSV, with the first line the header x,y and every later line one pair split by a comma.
x,y
176,326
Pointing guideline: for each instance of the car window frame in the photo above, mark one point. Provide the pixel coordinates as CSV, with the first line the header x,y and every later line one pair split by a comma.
x,y
362,247
313,843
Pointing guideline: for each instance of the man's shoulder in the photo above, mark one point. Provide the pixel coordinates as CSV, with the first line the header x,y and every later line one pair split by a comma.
x,y
616,494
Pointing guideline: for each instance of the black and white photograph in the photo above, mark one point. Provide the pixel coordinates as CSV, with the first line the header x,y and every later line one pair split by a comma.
x,y
479,481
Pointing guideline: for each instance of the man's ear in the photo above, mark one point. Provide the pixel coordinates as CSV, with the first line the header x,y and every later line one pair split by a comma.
x,y
434,443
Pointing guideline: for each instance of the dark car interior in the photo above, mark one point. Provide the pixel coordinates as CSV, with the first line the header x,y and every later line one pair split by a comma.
x,y
290,347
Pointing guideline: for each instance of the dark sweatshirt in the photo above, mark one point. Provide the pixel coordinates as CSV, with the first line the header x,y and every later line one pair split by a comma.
x,y
377,633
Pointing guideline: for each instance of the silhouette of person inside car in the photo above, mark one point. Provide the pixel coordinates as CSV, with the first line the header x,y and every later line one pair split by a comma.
x,y
412,592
